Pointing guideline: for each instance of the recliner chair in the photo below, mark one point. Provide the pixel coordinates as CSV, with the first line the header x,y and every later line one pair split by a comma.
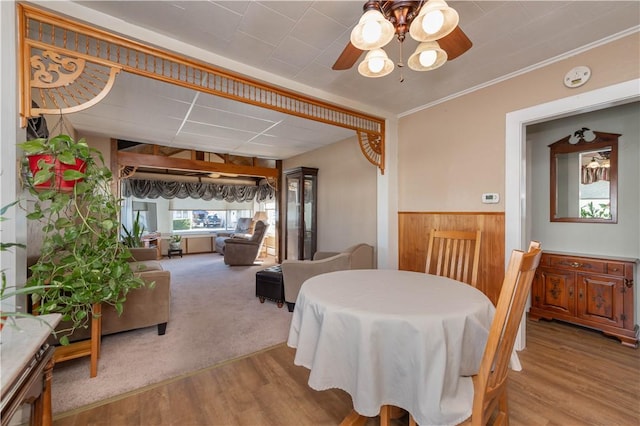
x,y
242,250
243,229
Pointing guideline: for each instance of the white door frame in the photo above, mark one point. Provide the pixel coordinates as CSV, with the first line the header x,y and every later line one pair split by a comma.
x,y
516,235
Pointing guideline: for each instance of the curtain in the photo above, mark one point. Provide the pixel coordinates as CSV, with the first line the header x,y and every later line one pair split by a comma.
x,y
594,174
147,188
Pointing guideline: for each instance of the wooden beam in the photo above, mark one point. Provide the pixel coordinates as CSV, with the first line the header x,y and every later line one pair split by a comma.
x,y
152,161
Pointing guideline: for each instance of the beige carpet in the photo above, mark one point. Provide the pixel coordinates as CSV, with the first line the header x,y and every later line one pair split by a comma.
x,y
215,316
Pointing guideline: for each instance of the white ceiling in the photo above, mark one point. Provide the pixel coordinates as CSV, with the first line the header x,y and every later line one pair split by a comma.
x,y
299,41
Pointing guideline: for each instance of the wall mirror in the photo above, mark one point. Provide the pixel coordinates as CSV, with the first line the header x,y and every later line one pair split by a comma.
x,y
584,177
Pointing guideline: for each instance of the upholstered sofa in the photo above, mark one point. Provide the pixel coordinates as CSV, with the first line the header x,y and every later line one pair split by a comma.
x,y
296,272
145,307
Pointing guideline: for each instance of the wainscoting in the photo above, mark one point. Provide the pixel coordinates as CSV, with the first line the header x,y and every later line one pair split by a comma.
x,y
193,244
413,235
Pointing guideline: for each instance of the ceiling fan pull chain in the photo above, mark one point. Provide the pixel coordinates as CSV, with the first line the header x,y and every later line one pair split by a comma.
x,y
401,65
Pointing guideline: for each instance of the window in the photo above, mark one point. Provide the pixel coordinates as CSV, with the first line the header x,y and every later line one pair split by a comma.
x,y
212,220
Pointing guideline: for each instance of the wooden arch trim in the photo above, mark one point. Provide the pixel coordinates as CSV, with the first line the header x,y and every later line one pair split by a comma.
x,y
73,42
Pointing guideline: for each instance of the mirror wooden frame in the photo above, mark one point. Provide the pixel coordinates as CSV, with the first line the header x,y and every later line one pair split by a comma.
x,y
564,146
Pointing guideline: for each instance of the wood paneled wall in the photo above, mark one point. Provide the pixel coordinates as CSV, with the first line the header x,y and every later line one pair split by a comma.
x,y
413,236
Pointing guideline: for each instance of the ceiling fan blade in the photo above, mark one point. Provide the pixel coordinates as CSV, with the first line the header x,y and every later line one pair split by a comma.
x,y
455,43
347,58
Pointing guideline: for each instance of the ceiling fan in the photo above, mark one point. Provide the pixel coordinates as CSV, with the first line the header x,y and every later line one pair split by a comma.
x,y
400,15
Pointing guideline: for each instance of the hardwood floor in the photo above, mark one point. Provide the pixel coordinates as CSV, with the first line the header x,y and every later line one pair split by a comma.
x,y
571,376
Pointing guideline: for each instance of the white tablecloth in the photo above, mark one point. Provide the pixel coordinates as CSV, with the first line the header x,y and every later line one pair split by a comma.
x,y
393,337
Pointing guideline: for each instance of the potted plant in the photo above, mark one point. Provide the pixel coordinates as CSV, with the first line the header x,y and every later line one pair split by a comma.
x,y
133,237
57,163
175,242
82,261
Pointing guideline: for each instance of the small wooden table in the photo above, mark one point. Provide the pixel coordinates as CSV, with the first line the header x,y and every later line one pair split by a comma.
x,y
174,251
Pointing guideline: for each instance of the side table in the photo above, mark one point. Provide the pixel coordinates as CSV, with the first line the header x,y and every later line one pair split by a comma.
x,y
174,251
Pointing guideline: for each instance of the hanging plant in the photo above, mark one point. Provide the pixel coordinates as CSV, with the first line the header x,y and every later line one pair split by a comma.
x,y
8,291
56,163
82,260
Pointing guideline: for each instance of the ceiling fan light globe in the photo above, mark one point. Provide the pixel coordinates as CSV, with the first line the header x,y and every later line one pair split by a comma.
x,y
375,64
371,32
433,22
363,35
593,164
422,30
428,56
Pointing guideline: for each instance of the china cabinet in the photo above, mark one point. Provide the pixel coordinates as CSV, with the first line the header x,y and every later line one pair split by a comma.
x,y
301,213
592,291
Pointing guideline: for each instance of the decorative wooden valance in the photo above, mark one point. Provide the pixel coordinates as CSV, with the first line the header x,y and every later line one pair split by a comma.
x,y
66,66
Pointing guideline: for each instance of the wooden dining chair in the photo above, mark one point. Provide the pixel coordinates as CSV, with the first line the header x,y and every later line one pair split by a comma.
x,y
454,254
490,384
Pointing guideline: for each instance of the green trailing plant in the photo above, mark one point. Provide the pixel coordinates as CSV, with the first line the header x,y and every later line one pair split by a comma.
x,y
82,260
11,291
133,237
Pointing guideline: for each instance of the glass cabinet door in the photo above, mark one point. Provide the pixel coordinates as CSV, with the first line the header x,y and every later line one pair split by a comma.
x,y
301,212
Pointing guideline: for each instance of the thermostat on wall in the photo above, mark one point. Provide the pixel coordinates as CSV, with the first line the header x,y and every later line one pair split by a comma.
x,y
490,198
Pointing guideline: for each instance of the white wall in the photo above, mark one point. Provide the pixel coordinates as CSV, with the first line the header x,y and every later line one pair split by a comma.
x,y
346,193
621,239
451,153
13,262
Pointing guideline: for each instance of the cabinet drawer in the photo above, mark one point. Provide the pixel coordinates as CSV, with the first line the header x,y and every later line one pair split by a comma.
x,y
579,264
615,268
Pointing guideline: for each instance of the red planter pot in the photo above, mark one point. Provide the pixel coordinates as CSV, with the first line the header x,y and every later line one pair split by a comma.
x,y
59,168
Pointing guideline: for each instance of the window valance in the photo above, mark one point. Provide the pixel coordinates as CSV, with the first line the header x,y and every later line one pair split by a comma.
x,y
148,188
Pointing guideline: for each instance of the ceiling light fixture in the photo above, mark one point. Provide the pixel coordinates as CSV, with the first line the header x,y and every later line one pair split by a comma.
x,y
593,164
426,22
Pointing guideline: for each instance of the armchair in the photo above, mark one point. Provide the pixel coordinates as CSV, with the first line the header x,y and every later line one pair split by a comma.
x,y
244,251
243,229
296,272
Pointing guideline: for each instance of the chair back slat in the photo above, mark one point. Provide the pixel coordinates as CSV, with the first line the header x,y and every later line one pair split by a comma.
x,y
454,254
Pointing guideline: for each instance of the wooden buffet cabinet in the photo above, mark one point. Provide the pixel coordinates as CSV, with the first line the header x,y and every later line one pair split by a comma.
x,y
595,292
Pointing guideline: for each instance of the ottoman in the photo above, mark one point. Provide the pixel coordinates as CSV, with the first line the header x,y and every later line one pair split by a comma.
x,y
269,285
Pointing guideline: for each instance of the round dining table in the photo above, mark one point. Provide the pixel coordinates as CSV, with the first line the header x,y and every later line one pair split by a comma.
x,y
389,337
